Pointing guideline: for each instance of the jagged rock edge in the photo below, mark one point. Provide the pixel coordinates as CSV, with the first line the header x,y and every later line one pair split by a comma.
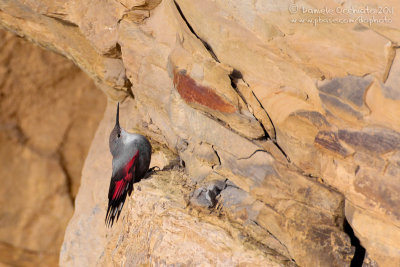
x,y
274,140
271,136
218,210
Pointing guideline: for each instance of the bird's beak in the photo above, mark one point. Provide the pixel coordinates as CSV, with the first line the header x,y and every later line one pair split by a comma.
x,y
117,118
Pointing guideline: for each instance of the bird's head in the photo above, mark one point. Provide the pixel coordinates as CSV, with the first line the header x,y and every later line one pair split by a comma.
x,y
115,136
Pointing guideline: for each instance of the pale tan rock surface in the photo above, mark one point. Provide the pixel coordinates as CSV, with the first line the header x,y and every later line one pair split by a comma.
x,y
49,111
216,81
160,222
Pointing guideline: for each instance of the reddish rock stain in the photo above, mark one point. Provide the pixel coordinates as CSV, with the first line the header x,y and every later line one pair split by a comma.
x,y
194,93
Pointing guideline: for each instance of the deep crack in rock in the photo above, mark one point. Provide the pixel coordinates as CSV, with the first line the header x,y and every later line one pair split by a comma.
x,y
359,253
206,45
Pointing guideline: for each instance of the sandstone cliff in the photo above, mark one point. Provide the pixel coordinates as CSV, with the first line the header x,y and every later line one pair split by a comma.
x,y
274,128
46,127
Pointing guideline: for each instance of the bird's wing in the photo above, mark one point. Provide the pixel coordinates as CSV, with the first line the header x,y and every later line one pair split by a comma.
x,y
121,184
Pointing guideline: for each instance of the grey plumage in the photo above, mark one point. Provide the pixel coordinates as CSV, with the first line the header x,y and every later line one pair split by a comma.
x,y
131,159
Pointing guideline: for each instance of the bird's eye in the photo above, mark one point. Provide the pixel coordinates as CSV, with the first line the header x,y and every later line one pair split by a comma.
x,y
119,135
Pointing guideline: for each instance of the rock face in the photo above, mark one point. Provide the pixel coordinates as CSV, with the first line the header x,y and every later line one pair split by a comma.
x,y
285,119
46,126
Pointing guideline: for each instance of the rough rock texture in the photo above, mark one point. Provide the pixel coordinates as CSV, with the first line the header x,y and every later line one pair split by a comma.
x,y
286,122
46,127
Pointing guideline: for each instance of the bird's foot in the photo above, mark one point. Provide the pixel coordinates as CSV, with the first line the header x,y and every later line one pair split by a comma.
x,y
153,169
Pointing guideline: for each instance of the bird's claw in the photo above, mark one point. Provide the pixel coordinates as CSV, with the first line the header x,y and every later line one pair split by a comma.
x,y
153,169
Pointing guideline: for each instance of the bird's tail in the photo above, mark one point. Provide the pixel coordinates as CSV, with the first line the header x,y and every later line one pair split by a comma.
x,y
114,210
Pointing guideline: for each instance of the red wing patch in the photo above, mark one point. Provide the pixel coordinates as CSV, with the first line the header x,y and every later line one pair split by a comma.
x,y
119,188
121,184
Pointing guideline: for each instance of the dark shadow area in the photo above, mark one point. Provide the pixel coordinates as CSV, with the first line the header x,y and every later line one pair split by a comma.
x,y
359,254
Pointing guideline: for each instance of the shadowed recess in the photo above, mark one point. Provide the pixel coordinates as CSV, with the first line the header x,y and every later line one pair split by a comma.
x,y
359,254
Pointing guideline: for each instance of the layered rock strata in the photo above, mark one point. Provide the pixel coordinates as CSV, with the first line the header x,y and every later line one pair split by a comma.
x,y
285,119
